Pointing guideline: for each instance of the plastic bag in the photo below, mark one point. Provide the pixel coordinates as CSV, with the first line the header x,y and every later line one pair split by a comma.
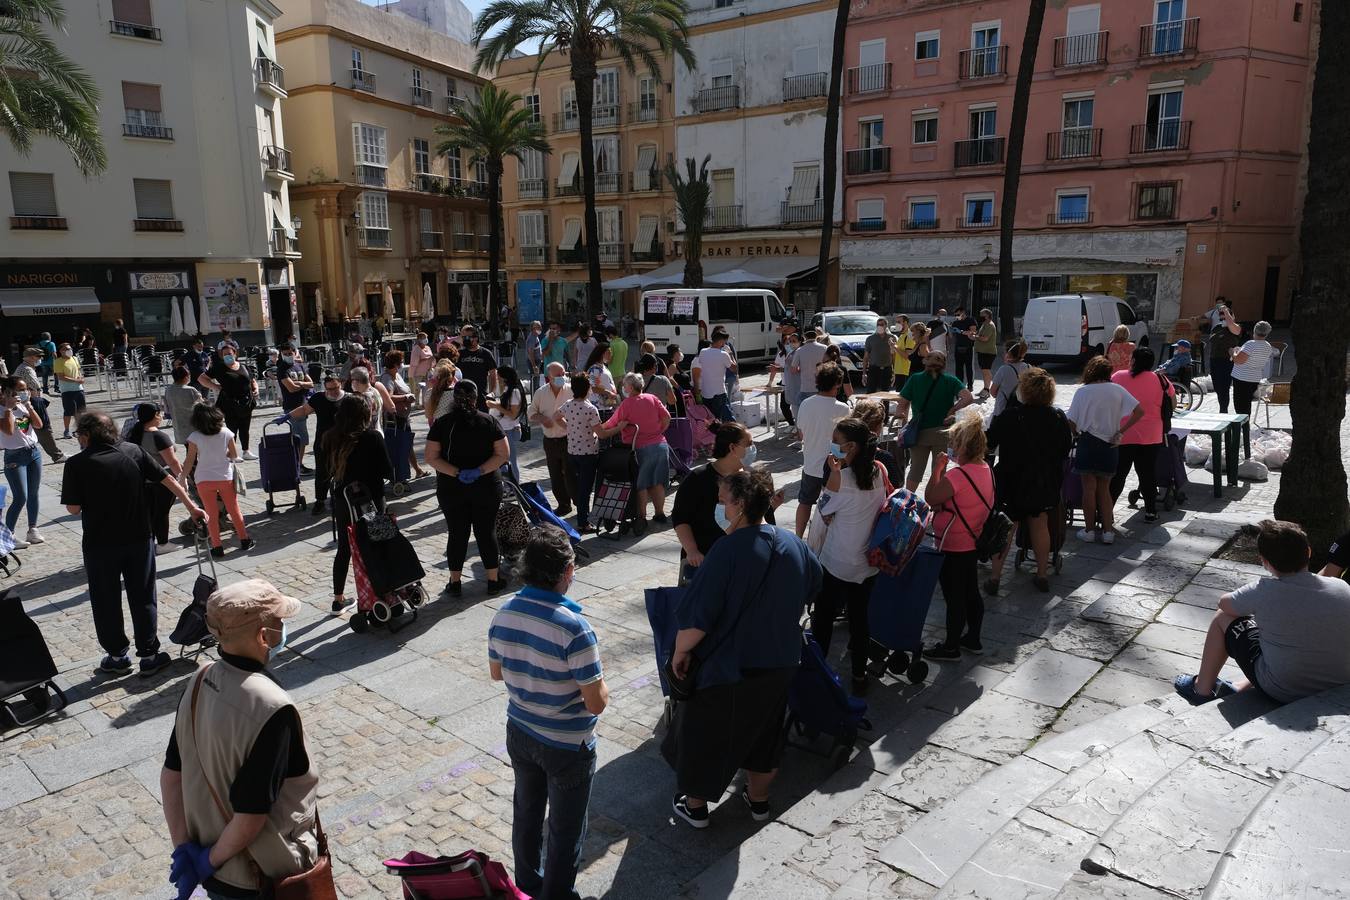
x,y
1197,455
1251,470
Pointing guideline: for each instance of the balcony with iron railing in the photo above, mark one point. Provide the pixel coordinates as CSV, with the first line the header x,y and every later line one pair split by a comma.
x,y
432,241
1073,144
571,189
611,254
1073,50
794,214
38,223
983,62
464,242
373,239
363,81
977,224
604,115
477,190
608,182
648,109
1167,136
805,87
431,183
654,254
282,245
455,105
421,97
532,188
271,76
484,242
723,218
576,256
922,224
868,225
134,29
869,79
568,120
148,127
653,181
1168,40
867,161
277,163
157,224
534,256
1082,217
724,96
372,176
985,151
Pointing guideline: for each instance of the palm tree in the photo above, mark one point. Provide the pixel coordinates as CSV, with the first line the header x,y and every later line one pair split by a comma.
x,y
1312,482
493,127
831,150
692,192
42,92
584,31
1012,172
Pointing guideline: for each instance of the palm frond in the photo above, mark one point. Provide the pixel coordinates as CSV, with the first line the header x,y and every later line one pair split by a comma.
x,y
49,11
495,126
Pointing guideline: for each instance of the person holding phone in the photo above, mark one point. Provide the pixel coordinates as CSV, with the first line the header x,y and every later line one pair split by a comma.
x,y
19,423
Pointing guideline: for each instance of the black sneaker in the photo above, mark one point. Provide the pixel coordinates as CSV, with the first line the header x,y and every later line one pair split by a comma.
x,y
1150,515
156,663
660,519
342,606
317,509
115,665
759,809
496,587
697,818
218,552
247,544
305,470
971,645
942,651
454,588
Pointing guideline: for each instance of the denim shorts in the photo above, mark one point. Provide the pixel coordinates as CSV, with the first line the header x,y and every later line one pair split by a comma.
x,y
808,492
1095,457
653,466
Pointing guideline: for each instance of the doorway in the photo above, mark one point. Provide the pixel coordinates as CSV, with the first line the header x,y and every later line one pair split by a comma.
x,y
1271,295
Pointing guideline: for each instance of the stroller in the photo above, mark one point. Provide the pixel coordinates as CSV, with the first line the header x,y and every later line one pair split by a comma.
x,y
279,466
680,440
191,634
27,670
1171,473
818,703
614,511
385,566
9,560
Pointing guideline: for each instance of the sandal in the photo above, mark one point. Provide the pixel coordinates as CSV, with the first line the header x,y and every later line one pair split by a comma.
x,y
1185,686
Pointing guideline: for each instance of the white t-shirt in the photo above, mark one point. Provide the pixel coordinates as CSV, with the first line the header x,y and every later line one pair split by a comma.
x,y
807,357
713,364
213,461
1099,408
1258,358
511,398
844,554
816,420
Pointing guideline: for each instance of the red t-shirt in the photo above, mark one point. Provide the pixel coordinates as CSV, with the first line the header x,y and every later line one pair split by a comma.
x,y
646,412
959,538
1147,388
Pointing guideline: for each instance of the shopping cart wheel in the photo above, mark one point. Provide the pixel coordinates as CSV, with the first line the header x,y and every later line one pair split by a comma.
x,y
185,528
300,502
359,623
1134,498
381,612
917,671
270,506
399,488
417,595
839,755
898,663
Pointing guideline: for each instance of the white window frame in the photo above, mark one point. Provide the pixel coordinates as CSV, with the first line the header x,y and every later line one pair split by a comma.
x,y
609,225
874,42
417,79
421,156
722,72
923,115
531,228
358,60
881,209
923,36
992,24
611,154
567,102
863,129
531,165
609,78
1062,193
454,165
978,196
979,109
531,102
911,202
1157,4
375,210
370,149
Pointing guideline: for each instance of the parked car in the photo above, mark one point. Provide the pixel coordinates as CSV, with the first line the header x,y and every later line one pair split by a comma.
x,y
684,316
1071,327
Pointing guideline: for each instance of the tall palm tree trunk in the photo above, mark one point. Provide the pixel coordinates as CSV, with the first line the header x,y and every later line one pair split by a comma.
x,y
583,76
494,174
1313,481
830,153
1012,171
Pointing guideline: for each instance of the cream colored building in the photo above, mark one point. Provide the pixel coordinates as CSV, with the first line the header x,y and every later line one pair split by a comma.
x,y
194,200
382,214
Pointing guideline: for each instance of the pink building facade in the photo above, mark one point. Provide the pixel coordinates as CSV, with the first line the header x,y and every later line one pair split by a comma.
x,y
1162,160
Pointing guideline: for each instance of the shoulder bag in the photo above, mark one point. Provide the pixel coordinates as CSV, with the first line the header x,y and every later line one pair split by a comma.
x,y
315,884
993,537
910,436
683,688
1169,404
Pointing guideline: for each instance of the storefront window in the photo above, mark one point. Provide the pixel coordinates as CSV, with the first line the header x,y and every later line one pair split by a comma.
x,y
950,292
150,317
889,295
1141,292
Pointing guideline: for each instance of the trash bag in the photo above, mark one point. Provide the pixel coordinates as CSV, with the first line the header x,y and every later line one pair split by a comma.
x,y
1252,470
1197,455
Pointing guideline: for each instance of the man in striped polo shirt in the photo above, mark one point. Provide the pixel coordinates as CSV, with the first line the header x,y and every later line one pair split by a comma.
x,y
546,652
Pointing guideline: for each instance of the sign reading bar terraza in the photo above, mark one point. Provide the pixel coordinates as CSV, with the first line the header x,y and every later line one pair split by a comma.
x,y
747,250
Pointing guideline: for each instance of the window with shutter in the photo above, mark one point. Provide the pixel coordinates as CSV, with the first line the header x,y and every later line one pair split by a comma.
x,y
154,198
532,229
427,220
453,165
608,225
571,234
724,187
134,12
646,165
646,234
34,193
805,186
568,173
140,98
606,154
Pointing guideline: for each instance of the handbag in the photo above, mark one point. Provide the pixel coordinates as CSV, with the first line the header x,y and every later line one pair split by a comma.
x,y
993,537
512,526
910,436
314,884
1169,405
682,688
817,530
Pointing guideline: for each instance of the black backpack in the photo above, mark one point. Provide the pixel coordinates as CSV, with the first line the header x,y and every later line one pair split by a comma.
x,y
1169,404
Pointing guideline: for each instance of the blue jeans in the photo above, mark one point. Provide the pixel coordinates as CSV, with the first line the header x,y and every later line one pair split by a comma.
x,y
513,441
23,471
560,779
720,408
583,473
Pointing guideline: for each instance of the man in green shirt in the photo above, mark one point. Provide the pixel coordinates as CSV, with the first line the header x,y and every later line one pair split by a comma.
x,y
618,353
935,397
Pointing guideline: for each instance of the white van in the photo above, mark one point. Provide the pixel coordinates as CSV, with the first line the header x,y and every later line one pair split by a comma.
x,y
684,316
1065,327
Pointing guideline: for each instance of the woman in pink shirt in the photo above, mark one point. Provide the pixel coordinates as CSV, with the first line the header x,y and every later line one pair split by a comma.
x,y
1139,444
642,418
963,499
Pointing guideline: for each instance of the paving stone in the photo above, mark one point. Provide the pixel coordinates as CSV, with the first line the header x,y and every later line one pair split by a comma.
x,y
738,871
1068,751
933,776
1030,857
1109,887
1049,677
1226,576
862,831
1125,688
1327,765
18,785
875,879
1093,638
997,727
1201,596
1082,710
1126,605
430,688
1173,638
1265,748
1185,615
1198,726
1164,577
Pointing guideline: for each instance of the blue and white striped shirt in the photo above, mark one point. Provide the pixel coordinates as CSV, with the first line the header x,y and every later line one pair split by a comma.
x,y
547,651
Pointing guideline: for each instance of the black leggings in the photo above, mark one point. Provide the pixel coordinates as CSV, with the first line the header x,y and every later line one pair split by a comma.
x,y
1221,374
321,472
1243,392
1144,458
836,594
961,589
465,507
161,502
237,419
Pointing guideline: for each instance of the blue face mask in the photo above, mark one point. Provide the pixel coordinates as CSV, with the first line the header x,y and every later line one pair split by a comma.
x,y
560,381
720,516
227,360
273,651
751,453
836,451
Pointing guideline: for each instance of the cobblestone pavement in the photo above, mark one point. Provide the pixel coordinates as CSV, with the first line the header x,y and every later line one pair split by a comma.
x,y
408,732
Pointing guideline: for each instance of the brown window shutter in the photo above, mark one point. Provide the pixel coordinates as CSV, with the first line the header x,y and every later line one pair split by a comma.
x,y
140,96
137,12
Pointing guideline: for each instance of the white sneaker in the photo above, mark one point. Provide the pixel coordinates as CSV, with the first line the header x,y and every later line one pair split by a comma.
x,y
34,537
249,454
161,549
1087,535
20,544
1108,537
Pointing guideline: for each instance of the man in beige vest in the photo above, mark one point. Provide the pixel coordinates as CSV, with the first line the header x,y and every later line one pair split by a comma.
x,y
236,824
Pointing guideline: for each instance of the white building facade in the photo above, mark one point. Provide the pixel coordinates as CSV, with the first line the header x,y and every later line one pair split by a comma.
x,y
194,201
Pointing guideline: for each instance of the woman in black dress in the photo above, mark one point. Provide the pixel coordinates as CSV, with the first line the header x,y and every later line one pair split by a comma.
x,y
237,393
467,448
355,455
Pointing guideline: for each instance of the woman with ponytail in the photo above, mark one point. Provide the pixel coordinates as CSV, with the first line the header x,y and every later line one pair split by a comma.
x,y
467,448
147,435
854,493
354,454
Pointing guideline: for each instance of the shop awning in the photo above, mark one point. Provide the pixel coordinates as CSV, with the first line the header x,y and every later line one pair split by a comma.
x,y
646,234
736,271
856,262
571,235
48,302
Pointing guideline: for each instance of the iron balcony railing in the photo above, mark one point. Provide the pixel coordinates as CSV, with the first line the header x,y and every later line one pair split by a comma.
x,y
653,182
603,114
869,79
1159,137
270,74
143,130
534,256
571,189
1081,49
455,105
1073,143
157,224
867,161
803,87
465,242
723,218
985,151
726,96
566,121
277,159
608,182
532,188
433,241
611,254
652,255
1164,39
484,240
282,244
576,256
868,225
977,223
1069,218
421,97
372,176
134,29
925,224
801,214
648,109
373,238
983,62
363,81
430,183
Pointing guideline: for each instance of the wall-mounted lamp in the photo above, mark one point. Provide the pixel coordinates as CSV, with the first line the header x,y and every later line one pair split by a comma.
x,y
296,223
354,221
